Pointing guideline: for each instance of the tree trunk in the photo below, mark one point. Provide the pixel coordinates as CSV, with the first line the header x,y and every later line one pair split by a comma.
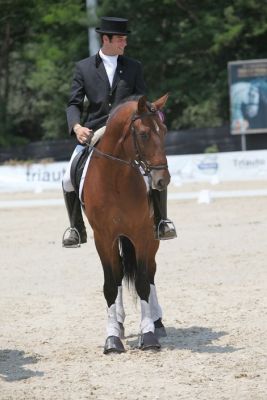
x,y
4,71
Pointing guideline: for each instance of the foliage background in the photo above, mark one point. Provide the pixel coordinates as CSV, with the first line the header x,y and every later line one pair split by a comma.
x,y
184,46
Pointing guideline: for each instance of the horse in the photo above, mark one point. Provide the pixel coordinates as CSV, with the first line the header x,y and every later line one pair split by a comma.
x,y
117,206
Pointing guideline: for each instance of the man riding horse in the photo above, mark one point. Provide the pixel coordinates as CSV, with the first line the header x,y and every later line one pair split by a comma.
x,y
105,79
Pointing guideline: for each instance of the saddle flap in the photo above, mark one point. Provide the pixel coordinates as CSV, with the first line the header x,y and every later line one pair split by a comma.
x,y
77,167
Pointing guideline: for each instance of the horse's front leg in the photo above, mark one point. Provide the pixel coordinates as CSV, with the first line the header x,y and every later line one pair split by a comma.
x,y
156,311
148,339
112,291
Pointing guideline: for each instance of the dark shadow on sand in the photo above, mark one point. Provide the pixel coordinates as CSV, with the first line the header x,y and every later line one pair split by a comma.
x,y
12,364
195,339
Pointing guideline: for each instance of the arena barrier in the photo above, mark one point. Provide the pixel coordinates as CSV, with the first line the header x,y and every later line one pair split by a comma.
x,y
212,168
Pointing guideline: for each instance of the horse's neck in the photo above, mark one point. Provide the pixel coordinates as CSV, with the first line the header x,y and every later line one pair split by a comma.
x,y
110,142
116,133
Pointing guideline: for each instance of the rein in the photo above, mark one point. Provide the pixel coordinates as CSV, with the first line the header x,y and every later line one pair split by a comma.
x,y
140,161
110,157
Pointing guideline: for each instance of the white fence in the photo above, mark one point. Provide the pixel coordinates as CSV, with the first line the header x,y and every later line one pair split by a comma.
x,y
222,167
217,167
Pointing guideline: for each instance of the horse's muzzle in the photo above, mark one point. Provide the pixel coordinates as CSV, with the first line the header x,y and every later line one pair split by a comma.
x,y
160,179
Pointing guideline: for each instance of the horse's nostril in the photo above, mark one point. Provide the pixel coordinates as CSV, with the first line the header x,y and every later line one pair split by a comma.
x,y
161,184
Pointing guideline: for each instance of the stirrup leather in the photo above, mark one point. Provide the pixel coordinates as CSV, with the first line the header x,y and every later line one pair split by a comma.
x,y
78,235
160,227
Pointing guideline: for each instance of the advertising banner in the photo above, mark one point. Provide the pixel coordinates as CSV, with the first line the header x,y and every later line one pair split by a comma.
x,y
32,177
219,167
212,168
248,96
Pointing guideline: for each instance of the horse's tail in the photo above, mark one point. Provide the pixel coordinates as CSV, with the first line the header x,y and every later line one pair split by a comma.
x,y
127,252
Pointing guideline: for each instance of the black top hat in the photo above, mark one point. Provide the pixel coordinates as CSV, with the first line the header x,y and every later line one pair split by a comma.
x,y
113,26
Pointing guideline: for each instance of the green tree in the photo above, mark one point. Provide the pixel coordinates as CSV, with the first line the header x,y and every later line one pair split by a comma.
x,y
44,39
185,46
15,27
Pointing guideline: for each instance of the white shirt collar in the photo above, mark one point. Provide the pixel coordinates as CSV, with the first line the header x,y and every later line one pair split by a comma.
x,y
110,64
108,59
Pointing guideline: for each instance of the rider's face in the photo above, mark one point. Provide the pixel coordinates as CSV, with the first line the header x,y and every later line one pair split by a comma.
x,y
115,46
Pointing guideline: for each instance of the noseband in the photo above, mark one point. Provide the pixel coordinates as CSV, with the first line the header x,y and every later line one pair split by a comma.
x,y
139,161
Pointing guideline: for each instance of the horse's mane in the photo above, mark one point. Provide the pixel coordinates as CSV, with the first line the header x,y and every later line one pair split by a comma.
x,y
134,97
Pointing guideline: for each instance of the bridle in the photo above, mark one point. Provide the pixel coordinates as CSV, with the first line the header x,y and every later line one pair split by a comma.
x,y
139,161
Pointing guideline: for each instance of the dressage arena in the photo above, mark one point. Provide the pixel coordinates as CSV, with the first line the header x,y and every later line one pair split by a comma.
x,y
211,284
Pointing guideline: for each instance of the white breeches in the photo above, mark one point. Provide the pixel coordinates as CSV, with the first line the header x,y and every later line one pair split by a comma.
x,y
66,182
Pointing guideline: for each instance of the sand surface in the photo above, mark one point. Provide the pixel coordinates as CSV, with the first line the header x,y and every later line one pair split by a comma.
x,y
212,286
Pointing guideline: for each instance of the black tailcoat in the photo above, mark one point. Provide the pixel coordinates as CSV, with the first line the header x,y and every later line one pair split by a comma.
x,y
91,80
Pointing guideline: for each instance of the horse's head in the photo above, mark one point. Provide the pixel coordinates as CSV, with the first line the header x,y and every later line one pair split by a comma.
x,y
148,132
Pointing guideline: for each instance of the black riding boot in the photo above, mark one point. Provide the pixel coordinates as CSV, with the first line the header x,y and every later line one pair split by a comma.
x,y
77,231
165,228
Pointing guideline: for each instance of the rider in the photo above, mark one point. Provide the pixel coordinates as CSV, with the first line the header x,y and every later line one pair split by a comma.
x,y
105,79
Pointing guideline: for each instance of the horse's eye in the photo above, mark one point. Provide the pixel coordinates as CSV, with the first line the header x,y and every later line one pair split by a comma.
x,y
144,135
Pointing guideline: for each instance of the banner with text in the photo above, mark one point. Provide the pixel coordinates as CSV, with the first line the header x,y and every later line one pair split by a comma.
x,y
217,167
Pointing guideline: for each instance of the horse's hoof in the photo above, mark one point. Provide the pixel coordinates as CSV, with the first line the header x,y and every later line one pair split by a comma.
x,y
148,341
113,345
160,330
122,331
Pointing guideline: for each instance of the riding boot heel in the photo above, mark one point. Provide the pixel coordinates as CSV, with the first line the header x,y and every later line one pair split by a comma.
x,y
164,227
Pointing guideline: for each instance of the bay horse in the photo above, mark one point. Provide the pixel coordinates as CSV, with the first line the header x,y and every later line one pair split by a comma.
x,y
116,203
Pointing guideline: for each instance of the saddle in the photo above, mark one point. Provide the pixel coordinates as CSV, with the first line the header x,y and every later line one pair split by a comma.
x,y
79,161
77,168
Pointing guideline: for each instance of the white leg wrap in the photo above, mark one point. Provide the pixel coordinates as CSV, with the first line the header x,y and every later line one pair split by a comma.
x,y
119,306
156,311
147,324
113,328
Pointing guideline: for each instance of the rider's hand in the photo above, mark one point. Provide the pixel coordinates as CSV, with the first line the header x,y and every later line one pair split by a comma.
x,y
82,133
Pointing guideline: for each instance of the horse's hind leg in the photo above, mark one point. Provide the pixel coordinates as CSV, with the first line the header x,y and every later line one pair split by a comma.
x,y
120,311
156,312
112,280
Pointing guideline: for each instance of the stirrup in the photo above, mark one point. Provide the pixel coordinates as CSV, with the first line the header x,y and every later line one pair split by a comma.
x,y
78,235
170,225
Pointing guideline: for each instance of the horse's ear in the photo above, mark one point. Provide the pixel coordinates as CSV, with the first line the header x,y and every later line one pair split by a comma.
x,y
160,103
141,107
